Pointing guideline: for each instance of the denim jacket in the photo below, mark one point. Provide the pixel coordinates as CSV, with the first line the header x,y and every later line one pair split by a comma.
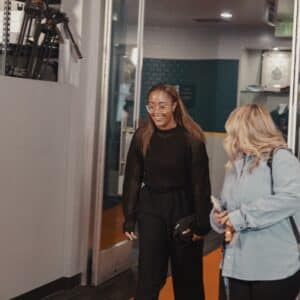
x,y
264,246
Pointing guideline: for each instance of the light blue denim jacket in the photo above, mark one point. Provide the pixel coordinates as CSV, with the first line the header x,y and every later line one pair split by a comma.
x,y
264,247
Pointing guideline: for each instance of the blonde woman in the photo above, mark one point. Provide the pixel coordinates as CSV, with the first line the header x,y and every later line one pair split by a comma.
x,y
168,156
261,258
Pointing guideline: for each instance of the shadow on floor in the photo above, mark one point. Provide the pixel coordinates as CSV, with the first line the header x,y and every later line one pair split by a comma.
x,y
120,287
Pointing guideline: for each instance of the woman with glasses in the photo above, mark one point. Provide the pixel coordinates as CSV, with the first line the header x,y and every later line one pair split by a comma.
x,y
167,192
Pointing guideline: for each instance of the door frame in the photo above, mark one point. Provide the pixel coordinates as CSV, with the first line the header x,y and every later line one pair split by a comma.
x,y
293,103
96,126
109,262
92,45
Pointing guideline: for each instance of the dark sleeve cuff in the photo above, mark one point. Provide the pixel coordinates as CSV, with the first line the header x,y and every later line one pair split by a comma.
x,y
129,225
201,227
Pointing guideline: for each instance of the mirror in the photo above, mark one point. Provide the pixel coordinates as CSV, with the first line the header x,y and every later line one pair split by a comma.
x,y
120,118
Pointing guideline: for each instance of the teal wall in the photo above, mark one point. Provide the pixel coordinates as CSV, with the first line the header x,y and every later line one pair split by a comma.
x,y
213,82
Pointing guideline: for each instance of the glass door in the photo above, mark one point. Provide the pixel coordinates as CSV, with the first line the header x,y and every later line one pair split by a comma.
x,y
119,113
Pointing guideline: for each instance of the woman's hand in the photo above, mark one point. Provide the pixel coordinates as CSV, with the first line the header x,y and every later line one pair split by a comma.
x,y
131,235
229,233
229,229
222,218
219,217
197,237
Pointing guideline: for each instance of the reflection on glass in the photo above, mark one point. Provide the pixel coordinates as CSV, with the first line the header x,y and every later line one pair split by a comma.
x,y
272,88
265,72
120,123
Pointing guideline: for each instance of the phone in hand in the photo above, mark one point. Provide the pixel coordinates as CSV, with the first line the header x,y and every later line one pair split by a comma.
x,y
216,203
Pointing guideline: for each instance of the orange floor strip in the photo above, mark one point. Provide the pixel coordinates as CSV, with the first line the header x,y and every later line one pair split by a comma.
x,y
211,264
112,230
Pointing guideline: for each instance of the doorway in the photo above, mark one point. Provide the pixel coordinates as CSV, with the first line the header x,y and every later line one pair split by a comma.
x,y
216,63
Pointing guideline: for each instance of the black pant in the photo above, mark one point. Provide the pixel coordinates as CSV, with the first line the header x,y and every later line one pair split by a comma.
x,y
157,216
284,289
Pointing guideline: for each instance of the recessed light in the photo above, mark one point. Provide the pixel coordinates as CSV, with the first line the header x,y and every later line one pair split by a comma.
x,y
115,17
276,49
226,15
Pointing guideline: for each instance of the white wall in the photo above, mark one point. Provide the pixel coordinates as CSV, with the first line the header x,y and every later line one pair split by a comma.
x,y
34,130
43,129
71,72
233,40
180,43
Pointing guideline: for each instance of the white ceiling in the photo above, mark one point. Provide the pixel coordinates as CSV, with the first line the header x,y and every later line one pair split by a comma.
x,y
182,13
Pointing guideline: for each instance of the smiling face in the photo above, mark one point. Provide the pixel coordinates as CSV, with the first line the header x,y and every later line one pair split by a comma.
x,y
161,110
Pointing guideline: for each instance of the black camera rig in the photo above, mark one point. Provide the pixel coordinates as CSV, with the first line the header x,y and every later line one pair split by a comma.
x,y
39,39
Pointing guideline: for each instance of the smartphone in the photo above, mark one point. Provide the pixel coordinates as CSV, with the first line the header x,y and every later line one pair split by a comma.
x,y
216,203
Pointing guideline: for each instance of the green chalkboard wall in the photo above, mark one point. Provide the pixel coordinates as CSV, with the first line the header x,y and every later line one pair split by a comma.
x,y
213,84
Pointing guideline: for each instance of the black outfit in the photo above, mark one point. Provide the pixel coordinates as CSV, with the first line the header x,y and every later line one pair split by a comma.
x,y
282,289
176,184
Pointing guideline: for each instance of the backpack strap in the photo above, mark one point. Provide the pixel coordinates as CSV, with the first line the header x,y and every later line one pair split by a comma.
x,y
292,221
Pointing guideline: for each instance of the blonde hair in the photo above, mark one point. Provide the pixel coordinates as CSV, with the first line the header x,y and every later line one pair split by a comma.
x,y
181,117
251,131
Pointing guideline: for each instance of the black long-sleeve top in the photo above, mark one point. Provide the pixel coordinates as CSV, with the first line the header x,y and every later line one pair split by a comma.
x,y
174,160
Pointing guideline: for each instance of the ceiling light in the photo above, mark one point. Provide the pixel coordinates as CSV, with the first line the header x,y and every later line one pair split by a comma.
x,y
226,15
276,49
115,17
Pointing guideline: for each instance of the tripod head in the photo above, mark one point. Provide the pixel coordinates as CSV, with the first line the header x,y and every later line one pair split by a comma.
x,y
35,8
56,16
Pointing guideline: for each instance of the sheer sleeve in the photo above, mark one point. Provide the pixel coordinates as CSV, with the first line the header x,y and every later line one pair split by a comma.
x,y
132,183
200,186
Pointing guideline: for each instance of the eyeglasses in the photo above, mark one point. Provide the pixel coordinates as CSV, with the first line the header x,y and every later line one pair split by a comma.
x,y
160,107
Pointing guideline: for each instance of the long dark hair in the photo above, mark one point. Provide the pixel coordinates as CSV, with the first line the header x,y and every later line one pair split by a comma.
x,y
181,117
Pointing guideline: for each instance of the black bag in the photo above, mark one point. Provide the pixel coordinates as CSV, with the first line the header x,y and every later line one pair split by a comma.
x,y
183,229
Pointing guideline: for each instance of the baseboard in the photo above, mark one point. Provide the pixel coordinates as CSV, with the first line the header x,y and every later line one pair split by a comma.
x,y
114,260
39,293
